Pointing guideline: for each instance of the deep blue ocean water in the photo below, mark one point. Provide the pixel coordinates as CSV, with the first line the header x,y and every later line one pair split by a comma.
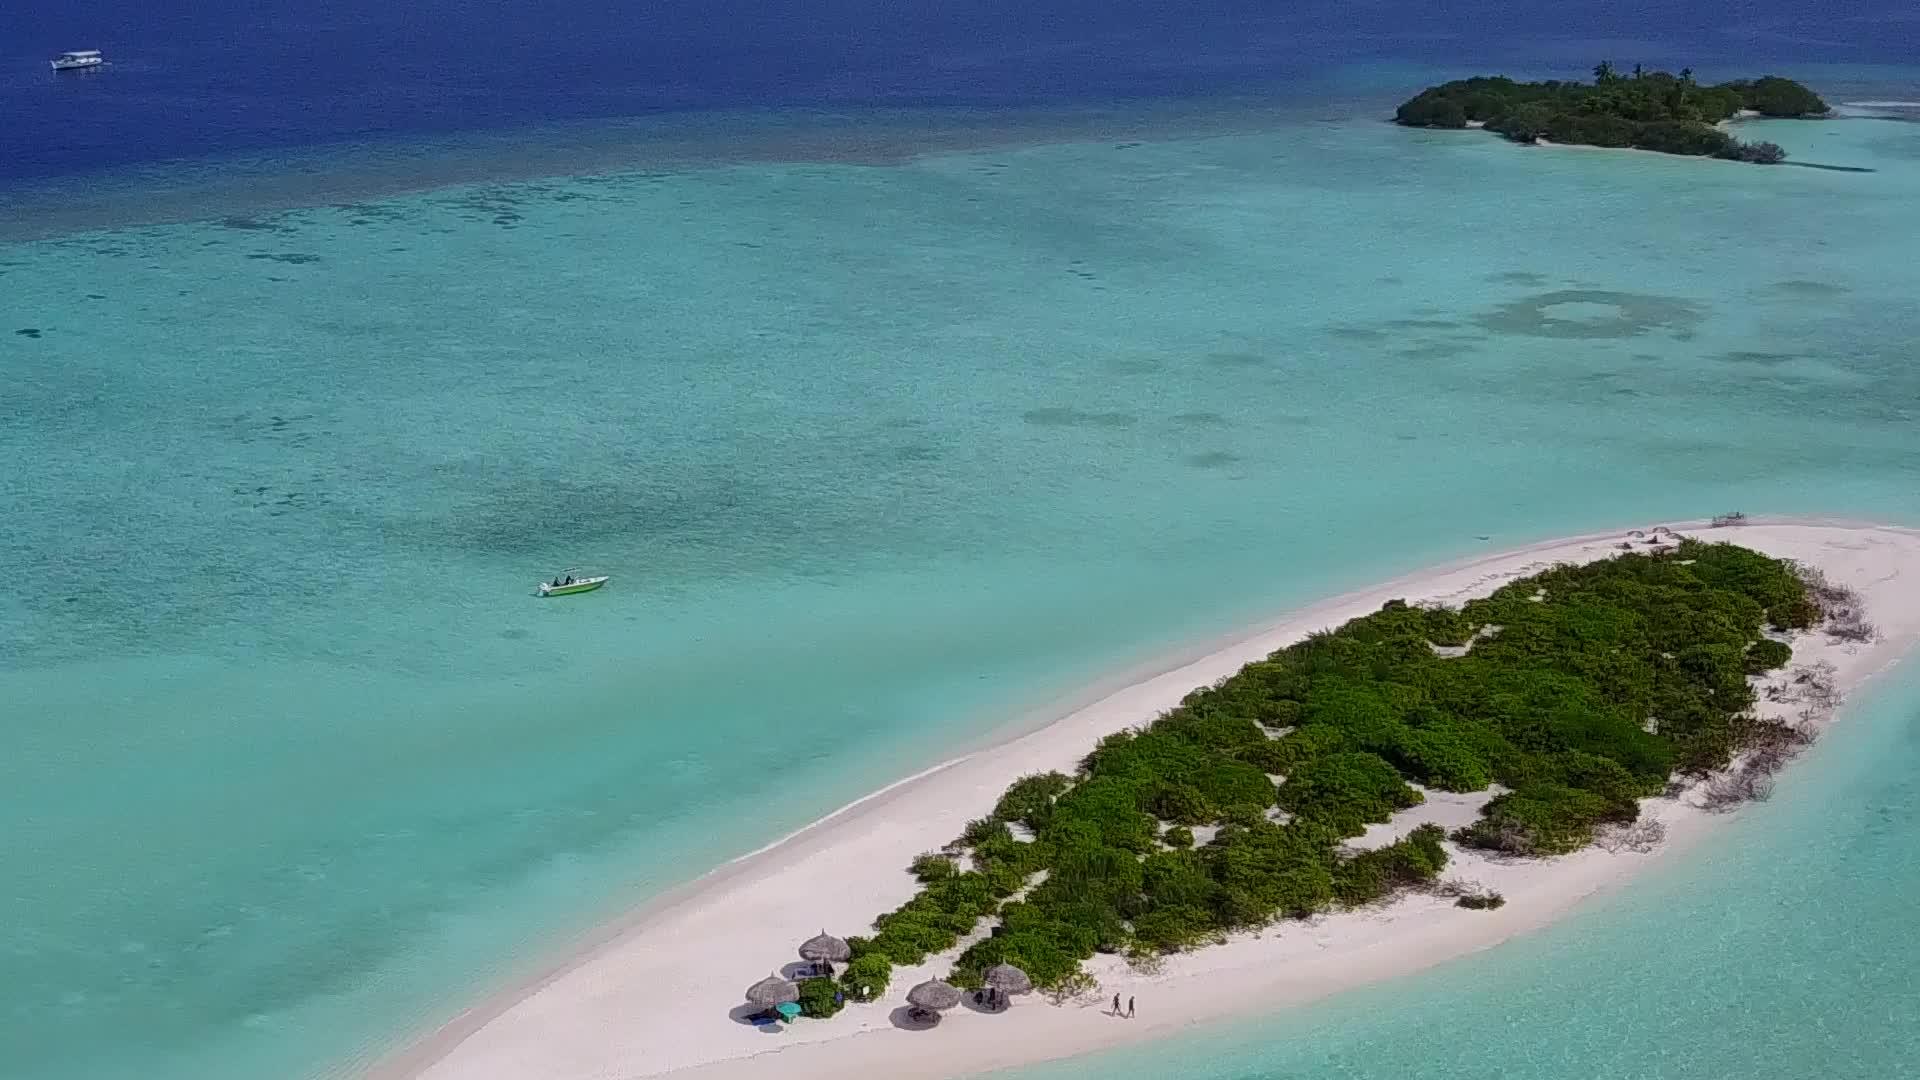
x,y
881,456
189,80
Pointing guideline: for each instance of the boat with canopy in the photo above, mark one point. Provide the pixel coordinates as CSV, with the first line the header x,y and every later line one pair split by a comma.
x,y
78,59
566,584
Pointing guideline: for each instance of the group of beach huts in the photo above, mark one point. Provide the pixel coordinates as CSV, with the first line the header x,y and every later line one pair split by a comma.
x,y
778,995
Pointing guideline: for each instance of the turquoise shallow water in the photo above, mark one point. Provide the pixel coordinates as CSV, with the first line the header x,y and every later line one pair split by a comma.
x,y
880,456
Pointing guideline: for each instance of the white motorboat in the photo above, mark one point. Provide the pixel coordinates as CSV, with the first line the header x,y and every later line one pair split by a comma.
x,y
77,59
565,584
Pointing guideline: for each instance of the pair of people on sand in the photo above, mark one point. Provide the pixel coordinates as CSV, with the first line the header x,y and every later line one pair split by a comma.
x,y
1116,1007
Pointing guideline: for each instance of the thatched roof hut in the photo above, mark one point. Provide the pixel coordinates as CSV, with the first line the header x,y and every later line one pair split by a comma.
x,y
934,994
773,990
1007,979
826,947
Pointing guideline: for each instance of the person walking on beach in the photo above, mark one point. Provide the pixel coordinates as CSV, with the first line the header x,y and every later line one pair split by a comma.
x,y
1116,1004
1129,1008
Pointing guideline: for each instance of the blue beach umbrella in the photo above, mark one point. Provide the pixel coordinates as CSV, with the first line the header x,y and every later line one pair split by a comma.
x,y
787,1009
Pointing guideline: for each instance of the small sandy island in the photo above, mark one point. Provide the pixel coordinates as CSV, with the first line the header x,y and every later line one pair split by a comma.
x,y
661,993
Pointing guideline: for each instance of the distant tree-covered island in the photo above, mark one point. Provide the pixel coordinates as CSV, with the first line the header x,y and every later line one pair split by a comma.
x,y
1644,110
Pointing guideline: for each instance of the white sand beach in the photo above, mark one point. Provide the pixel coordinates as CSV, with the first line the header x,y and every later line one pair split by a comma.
x,y
659,994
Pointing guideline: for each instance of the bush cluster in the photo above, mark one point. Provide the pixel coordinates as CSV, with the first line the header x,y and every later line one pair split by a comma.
x,y
1766,655
929,867
938,915
820,998
867,975
1772,95
1587,689
1648,110
1347,791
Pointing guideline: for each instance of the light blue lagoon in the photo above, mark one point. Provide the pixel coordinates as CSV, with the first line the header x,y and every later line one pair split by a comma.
x,y
883,459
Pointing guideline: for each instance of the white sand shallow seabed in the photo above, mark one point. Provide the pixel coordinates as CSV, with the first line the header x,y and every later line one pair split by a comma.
x,y
657,993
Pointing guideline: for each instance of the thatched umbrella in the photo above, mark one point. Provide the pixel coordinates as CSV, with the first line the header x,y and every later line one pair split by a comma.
x,y
773,990
1007,979
826,947
934,994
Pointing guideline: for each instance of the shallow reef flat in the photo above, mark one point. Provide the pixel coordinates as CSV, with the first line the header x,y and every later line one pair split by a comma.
x,y
931,442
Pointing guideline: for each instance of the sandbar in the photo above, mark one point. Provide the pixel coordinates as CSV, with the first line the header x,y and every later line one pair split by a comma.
x,y
658,993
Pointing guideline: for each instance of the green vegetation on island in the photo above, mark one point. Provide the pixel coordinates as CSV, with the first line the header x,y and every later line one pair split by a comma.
x,y
1579,690
1646,110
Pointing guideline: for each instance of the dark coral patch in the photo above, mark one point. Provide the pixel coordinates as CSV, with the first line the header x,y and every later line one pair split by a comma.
x,y
1758,359
1559,314
1200,419
1437,350
1078,418
1236,359
1803,289
241,223
1211,459
1518,277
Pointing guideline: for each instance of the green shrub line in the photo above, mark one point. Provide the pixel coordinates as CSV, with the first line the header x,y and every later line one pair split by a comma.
x,y
1587,689
1647,110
